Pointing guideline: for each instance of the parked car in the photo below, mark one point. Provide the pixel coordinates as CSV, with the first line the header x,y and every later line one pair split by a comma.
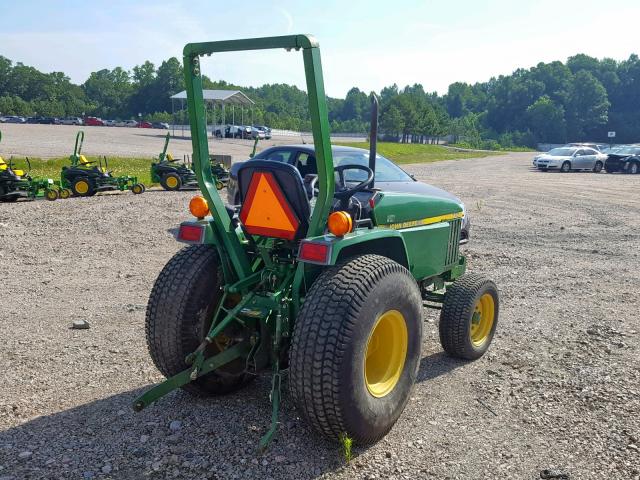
x,y
71,121
145,124
266,130
257,133
109,123
14,119
161,125
32,120
389,177
233,131
625,159
567,159
130,123
596,146
49,121
93,122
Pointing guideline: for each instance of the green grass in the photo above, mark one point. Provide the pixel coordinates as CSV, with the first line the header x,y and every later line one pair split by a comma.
x,y
347,444
136,167
418,153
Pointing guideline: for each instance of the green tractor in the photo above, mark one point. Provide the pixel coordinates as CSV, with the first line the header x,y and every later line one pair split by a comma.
x,y
170,174
320,279
16,184
85,178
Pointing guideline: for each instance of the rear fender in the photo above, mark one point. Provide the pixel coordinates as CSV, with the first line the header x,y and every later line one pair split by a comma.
x,y
385,242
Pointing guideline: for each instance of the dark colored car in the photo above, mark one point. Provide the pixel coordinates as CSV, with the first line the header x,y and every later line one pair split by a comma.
x,y
49,121
625,160
389,177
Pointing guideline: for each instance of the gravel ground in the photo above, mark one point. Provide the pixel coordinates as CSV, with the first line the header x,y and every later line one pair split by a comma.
x,y
559,388
50,141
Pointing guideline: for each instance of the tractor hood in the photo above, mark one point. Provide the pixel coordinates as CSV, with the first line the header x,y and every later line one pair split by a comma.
x,y
405,210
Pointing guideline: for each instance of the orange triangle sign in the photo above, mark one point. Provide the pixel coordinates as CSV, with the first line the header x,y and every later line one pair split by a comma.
x,y
266,211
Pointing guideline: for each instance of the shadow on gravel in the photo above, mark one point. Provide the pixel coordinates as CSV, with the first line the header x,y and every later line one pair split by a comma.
x,y
437,364
179,437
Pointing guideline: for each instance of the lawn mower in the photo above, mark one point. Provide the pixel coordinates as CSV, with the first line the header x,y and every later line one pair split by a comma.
x,y
85,178
321,279
16,184
170,174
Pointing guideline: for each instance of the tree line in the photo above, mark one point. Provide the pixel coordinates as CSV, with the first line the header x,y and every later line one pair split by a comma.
x,y
555,102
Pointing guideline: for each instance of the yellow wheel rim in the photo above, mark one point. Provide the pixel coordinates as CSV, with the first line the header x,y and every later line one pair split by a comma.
x,y
385,354
82,187
482,320
172,182
52,195
64,194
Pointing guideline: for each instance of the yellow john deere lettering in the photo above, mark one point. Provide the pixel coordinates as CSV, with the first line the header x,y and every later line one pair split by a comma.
x,y
424,221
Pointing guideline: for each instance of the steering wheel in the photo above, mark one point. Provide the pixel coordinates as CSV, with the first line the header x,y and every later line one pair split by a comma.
x,y
345,192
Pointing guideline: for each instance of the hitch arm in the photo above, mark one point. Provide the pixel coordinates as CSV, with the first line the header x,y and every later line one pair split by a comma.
x,y
184,377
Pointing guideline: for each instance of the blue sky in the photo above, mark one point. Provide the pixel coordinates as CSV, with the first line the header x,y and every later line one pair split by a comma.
x,y
366,44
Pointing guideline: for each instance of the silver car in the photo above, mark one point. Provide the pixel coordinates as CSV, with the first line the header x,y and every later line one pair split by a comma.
x,y
567,159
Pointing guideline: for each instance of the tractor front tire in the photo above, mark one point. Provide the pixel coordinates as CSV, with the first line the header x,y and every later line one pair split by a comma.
x,y
179,313
469,316
137,189
51,194
171,182
65,193
356,348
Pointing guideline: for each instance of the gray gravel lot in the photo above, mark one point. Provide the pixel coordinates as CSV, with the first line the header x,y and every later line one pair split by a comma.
x,y
559,389
50,141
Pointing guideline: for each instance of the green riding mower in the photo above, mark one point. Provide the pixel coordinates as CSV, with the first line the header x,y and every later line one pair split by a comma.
x,y
170,174
322,280
85,177
16,184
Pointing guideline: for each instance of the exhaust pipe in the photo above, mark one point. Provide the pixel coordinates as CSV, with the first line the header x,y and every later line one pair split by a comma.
x,y
373,136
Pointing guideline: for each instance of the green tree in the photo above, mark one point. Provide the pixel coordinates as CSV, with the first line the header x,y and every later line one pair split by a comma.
x,y
588,105
547,120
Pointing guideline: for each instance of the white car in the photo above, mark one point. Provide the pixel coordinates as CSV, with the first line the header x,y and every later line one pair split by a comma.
x,y
109,123
71,121
567,159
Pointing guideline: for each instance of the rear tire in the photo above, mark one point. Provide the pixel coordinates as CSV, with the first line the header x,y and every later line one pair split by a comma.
x,y
469,316
356,348
137,189
179,313
81,187
65,193
634,168
566,167
171,182
597,168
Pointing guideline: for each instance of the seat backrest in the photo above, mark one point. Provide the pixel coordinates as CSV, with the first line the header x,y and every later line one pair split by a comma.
x,y
274,200
83,160
3,164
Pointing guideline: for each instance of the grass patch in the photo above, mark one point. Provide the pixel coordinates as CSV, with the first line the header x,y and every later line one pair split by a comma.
x,y
418,153
347,444
119,166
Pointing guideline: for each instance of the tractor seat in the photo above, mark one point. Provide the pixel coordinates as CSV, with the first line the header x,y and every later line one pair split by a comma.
x,y
3,164
274,200
170,158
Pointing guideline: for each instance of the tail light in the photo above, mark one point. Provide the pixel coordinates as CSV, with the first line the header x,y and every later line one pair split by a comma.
x,y
191,233
315,252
